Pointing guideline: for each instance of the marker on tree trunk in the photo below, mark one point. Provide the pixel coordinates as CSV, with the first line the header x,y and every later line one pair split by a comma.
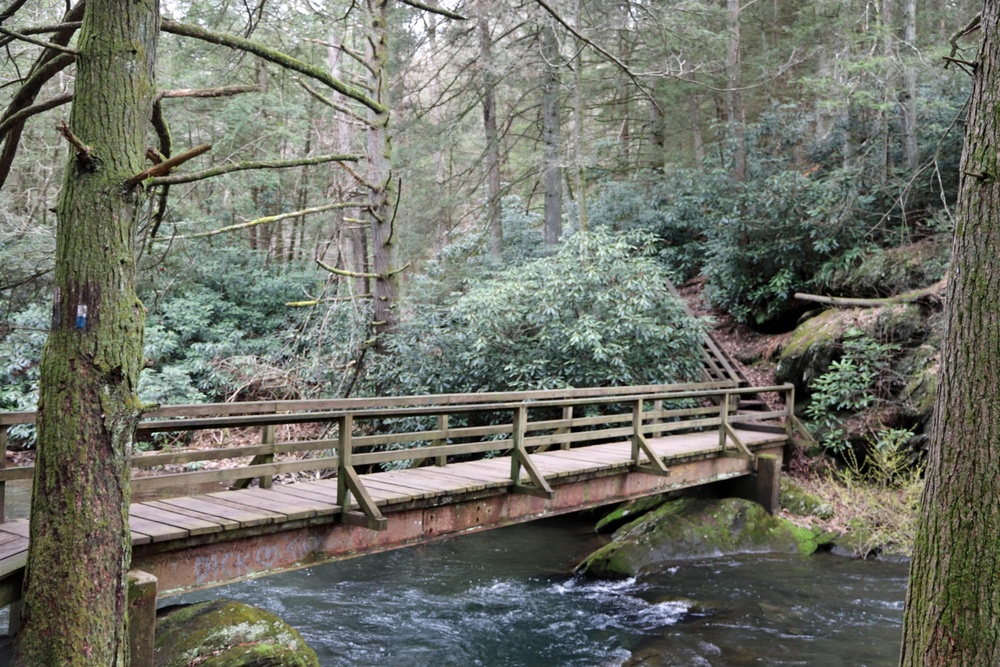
x,y
81,317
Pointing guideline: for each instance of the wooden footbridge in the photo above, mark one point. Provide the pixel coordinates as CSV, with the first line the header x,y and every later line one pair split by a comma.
x,y
355,476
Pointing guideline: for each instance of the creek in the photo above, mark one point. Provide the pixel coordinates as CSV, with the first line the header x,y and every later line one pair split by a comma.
x,y
505,598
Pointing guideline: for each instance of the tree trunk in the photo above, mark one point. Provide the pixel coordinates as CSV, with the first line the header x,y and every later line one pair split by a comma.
x,y
74,604
382,196
550,137
953,600
494,218
734,96
910,157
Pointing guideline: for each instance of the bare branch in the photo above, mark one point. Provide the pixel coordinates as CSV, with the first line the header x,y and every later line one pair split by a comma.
x,y
24,114
342,272
607,55
164,167
11,9
175,179
224,91
969,28
39,42
434,10
333,105
270,55
268,219
82,149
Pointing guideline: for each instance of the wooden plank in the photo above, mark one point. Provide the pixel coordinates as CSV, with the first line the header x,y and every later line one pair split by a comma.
x,y
193,525
223,522
460,483
327,505
402,493
158,532
307,494
256,498
380,497
415,478
139,538
15,545
472,474
17,527
13,563
246,517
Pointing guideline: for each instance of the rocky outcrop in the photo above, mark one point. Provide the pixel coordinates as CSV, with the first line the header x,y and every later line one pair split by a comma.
x,y
225,633
694,528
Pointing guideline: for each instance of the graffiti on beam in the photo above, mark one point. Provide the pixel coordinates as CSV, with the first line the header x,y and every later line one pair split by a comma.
x,y
234,563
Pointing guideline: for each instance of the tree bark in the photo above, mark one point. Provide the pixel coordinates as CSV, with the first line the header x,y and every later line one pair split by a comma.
x,y
494,218
953,600
909,101
550,137
734,96
74,604
382,196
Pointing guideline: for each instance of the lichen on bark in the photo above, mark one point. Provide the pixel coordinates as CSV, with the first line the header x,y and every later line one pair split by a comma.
x,y
75,588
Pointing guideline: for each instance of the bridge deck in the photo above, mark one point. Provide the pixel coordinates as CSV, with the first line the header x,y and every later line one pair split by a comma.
x,y
181,520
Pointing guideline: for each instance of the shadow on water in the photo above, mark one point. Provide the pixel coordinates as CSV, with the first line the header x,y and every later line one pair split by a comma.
x,y
504,598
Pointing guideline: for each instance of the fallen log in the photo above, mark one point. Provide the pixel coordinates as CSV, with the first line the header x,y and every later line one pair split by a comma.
x,y
933,292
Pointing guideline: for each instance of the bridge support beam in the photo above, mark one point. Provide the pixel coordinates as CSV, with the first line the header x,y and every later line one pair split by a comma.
x,y
141,618
764,486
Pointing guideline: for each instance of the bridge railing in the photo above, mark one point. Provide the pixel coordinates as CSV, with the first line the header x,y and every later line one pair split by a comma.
x,y
410,430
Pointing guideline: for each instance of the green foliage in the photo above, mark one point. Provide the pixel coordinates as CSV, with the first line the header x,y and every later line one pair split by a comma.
x,y
850,385
219,304
598,313
20,358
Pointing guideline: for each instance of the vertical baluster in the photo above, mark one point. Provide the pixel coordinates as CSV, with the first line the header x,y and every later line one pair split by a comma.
x,y
567,415
3,464
517,439
264,481
442,425
790,408
723,419
636,429
345,425
657,408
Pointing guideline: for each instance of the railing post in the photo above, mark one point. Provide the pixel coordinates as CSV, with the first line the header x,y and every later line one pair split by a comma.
x,y
345,425
723,419
442,425
264,481
567,415
517,441
3,464
658,408
636,430
790,406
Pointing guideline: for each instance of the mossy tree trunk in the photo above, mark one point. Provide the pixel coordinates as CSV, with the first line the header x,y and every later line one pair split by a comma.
x,y
382,194
75,591
953,601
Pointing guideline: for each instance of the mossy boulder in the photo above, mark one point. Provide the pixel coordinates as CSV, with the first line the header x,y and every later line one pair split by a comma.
x,y
800,502
226,633
628,512
694,528
920,369
813,346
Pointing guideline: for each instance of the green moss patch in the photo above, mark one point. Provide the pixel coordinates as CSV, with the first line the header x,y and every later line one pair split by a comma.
x,y
693,528
225,633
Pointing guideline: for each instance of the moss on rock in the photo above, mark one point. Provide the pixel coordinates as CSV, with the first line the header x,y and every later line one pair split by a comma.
x,y
813,346
800,502
692,528
629,511
225,633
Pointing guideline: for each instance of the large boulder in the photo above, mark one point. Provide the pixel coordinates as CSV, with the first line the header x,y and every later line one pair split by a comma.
x,y
226,633
813,346
694,528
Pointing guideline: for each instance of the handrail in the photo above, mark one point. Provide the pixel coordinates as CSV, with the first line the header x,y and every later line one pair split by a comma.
x,y
517,434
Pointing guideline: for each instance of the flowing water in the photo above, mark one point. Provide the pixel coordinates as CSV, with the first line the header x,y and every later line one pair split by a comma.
x,y
505,598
